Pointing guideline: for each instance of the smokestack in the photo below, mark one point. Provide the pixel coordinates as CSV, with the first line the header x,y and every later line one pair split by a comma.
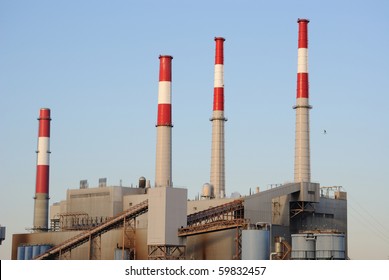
x,y
218,119
302,165
163,170
41,205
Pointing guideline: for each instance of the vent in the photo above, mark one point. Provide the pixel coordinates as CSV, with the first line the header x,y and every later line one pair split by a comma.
x,y
84,184
102,182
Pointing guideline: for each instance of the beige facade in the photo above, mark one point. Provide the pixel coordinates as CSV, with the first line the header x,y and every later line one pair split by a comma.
x,y
271,206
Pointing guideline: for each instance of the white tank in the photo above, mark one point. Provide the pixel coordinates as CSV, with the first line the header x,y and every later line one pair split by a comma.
x,y
303,247
207,191
255,244
330,246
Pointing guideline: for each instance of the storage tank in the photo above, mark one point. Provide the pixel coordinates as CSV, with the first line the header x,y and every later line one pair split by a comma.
x,y
255,244
303,247
44,248
330,246
142,182
120,255
28,252
20,253
35,251
207,191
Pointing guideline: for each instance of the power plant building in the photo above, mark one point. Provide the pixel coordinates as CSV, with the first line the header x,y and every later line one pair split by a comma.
x,y
299,220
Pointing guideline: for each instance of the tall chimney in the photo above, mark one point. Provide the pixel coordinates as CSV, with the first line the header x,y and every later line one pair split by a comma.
x,y
163,169
302,165
218,119
41,204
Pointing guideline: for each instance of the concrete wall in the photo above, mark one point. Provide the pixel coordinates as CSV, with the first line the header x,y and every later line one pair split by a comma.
x,y
219,245
204,204
99,202
270,206
167,213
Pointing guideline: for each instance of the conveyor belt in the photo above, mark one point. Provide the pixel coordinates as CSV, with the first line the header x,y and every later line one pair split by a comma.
x,y
215,218
210,227
112,223
228,211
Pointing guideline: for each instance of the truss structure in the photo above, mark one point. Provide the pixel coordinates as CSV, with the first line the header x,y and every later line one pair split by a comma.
x,y
301,207
166,252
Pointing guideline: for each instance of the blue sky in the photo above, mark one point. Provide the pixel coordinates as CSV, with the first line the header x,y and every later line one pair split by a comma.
x,y
95,65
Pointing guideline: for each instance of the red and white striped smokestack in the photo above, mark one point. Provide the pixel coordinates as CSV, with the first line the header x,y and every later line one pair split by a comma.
x,y
163,169
218,119
302,165
41,207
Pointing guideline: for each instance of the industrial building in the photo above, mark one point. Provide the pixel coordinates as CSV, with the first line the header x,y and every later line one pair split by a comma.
x,y
297,220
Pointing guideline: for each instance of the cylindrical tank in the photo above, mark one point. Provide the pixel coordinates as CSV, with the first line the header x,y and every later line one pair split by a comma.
x,y
330,246
44,248
35,251
303,247
278,246
120,255
21,250
142,182
28,252
207,191
255,244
